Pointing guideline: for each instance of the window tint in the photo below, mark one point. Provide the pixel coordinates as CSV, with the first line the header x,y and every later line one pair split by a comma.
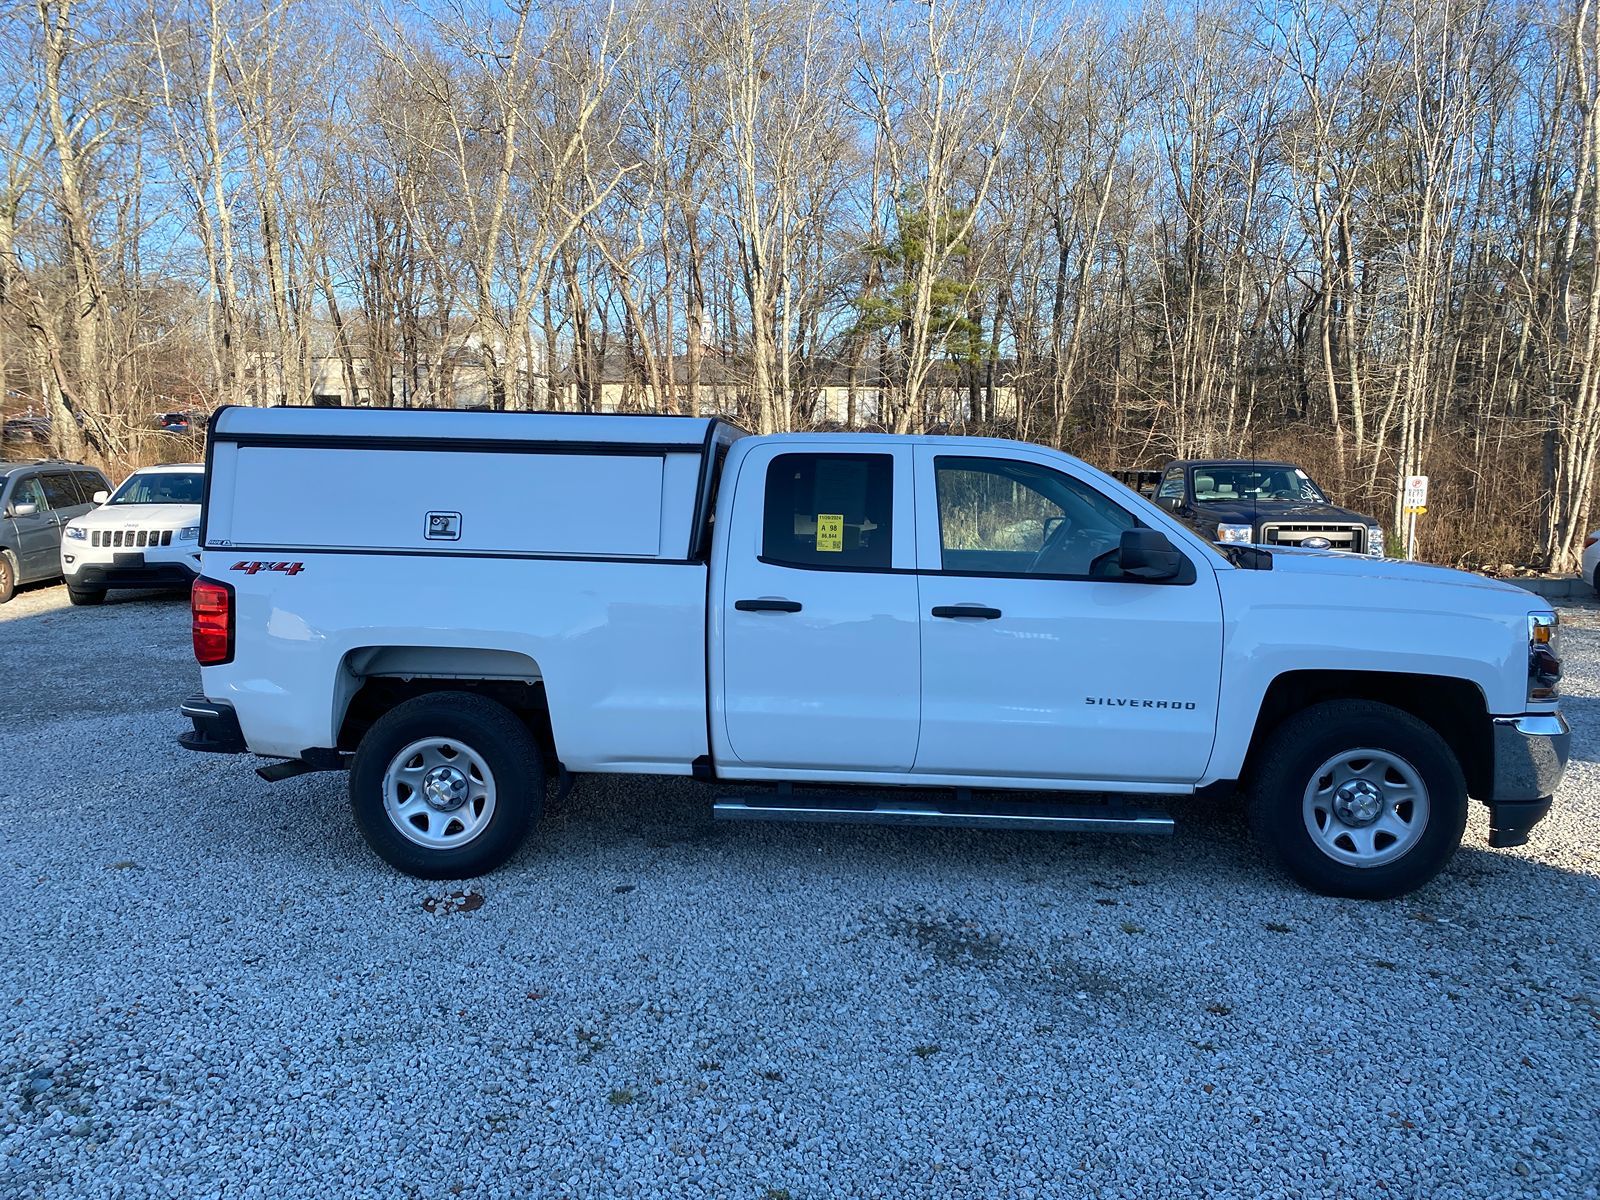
x,y
829,510
1002,517
1172,485
162,487
1255,483
28,491
88,484
60,492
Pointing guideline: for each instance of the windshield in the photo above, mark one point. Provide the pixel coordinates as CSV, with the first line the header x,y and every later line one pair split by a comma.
x,y
161,487
1255,483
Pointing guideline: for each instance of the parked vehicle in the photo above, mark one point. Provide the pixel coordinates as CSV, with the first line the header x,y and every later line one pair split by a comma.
x,y
1591,560
1250,502
456,605
26,429
174,423
145,535
1145,482
36,500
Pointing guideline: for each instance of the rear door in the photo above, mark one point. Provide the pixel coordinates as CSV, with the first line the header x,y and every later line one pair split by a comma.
x,y
1036,662
818,635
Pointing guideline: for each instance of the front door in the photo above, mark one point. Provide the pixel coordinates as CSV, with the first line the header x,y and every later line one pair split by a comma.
x,y
1036,661
38,535
819,631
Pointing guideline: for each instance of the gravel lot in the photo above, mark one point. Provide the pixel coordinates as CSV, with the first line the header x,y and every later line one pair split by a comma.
x,y
210,988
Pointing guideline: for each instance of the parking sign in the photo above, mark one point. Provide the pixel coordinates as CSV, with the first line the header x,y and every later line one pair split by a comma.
x,y
1416,497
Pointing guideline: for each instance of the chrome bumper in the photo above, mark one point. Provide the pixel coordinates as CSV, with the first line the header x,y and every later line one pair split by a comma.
x,y
1530,756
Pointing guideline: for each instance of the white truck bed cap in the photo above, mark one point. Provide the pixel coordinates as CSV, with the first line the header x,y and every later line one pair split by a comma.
x,y
687,432
288,481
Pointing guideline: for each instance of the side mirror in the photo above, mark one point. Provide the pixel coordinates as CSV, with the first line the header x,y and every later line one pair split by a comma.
x,y
1171,503
1147,554
101,496
24,510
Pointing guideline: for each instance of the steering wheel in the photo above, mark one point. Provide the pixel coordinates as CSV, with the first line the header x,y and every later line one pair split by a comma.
x,y
1052,545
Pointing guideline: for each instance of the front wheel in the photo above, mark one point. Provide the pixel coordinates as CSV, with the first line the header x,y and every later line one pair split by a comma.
x,y
8,578
83,597
1359,799
445,785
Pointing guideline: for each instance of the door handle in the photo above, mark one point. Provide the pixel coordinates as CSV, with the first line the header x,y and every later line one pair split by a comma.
x,y
967,610
789,606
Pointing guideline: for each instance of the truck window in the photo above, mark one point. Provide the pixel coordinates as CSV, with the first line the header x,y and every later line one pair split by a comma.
x,y
1003,517
829,510
1171,485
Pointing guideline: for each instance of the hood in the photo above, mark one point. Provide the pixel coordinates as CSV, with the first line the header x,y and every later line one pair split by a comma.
x,y
139,516
1330,562
1245,512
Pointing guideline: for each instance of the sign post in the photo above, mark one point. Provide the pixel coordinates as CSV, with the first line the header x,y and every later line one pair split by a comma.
x,y
1415,503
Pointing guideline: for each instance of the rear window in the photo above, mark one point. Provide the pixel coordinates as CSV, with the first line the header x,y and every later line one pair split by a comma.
x,y
60,491
88,484
829,510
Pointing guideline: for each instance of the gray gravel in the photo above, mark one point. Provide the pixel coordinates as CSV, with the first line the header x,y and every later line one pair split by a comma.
x,y
208,987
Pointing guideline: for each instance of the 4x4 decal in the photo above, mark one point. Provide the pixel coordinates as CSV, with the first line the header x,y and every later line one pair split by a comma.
x,y
250,568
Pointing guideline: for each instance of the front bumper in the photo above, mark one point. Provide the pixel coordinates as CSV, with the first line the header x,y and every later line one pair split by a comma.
x,y
1530,757
132,570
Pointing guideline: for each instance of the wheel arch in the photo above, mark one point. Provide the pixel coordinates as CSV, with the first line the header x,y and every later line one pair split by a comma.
x,y
372,680
1454,708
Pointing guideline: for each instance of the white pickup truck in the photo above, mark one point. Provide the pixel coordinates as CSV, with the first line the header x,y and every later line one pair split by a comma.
x,y
460,606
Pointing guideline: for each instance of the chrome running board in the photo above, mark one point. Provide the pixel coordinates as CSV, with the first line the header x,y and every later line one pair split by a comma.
x,y
955,812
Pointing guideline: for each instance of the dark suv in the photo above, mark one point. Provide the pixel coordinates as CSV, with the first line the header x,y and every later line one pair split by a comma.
x,y
36,500
1247,501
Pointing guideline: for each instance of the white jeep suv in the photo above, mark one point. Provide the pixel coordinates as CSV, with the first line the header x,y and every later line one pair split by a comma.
x,y
146,535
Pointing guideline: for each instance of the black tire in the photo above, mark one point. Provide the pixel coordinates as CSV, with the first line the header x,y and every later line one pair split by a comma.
x,y
486,729
1295,752
8,577
87,597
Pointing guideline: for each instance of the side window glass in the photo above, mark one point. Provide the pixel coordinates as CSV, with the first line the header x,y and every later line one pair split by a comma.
x,y
88,485
29,492
989,515
59,491
1171,486
1002,517
829,510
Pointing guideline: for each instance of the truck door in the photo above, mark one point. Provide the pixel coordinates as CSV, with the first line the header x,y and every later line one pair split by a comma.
x,y
1034,664
818,639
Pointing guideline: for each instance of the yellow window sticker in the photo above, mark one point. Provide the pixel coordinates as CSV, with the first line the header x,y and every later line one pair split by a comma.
x,y
830,531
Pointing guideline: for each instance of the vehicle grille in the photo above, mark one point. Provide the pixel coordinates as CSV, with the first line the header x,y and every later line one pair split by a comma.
x,y
1351,538
130,538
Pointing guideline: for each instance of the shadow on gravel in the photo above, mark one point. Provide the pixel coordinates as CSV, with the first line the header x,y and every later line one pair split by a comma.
x,y
628,824
113,658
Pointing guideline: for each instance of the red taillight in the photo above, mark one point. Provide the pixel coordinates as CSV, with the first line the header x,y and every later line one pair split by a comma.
x,y
1591,540
211,604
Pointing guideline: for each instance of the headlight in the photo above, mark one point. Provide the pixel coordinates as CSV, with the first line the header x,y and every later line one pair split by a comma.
x,y
76,534
188,533
1544,656
1375,540
1236,533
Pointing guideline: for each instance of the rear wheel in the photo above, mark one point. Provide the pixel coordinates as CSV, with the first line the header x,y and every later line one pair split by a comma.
x,y
1360,799
86,596
8,577
445,785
